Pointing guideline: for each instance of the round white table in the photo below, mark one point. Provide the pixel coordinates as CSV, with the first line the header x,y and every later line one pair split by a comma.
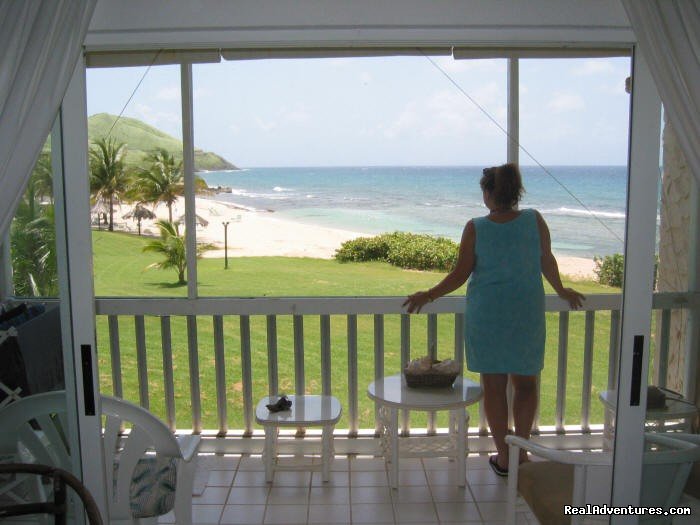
x,y
392,394
306,411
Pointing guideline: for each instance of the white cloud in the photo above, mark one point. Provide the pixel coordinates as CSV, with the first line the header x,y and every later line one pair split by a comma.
x,y
365,78
148,114
266,125
200,93
169,93
566,102
593,67
407,120
450,65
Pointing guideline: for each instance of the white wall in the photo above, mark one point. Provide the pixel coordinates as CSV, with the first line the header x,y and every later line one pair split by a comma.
x,y
135,24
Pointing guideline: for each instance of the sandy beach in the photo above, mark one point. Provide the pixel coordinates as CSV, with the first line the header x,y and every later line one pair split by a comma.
x,y
260,233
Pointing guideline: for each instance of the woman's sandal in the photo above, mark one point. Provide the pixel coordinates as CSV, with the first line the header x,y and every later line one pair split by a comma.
x,y
282,404
493,463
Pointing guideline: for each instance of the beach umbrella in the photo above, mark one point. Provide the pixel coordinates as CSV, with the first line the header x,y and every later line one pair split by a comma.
x,y
101,209
198,220
139,213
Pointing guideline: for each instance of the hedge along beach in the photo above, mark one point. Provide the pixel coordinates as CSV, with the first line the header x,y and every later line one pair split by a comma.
x,y
310,212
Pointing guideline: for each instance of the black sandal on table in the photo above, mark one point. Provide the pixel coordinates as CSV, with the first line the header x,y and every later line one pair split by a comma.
x,y
282,404
493,463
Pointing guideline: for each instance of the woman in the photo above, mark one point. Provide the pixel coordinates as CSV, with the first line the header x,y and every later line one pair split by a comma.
x,y
505,253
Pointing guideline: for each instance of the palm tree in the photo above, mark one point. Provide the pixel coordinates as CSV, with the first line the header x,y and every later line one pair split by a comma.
x,y
172,245
162,181
33,237
108,175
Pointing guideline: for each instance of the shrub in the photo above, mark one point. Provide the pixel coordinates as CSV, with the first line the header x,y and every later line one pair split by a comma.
x,y
610,269
406,250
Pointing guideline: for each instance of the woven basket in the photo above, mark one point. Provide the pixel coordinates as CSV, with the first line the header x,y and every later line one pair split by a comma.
x,y
429,379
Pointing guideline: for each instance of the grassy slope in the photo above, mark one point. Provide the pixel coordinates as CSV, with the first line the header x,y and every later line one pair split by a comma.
x,y
120,271
141,139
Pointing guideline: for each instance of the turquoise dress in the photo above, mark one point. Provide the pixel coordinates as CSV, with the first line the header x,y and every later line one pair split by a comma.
x,y
504,321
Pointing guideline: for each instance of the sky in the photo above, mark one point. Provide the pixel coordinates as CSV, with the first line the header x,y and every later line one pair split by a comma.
x,y
396,111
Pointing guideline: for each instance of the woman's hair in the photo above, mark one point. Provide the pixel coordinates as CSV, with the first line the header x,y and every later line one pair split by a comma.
x,y
504,184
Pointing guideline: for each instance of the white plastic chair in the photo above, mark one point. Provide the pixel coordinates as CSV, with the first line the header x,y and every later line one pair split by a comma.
x,y
580,478
150,470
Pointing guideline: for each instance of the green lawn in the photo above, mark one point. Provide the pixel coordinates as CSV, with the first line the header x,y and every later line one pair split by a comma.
x,y
120,270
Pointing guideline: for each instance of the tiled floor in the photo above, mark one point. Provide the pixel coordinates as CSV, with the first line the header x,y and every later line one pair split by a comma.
x,y
358,492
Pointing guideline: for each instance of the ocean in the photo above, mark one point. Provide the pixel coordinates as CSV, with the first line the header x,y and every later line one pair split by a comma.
x,y
584,206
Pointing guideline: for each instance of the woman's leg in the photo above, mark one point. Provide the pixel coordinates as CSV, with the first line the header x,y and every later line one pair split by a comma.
x,y
524,406
496,409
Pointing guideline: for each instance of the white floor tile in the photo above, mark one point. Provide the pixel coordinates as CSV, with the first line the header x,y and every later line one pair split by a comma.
x,y
292,479
483,477
369,479
372,513
370,495
478,462
494,492
219,461
492,511
412,478
243,514
335,479
220,478
206,514
443,477
339,463
248,478
286,514
327,514
442,493
420,494
288,496
329,495
437,464
212,496
452,511
248,496
415,513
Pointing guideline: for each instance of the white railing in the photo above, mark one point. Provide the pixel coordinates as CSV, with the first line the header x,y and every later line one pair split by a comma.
x,y
326,309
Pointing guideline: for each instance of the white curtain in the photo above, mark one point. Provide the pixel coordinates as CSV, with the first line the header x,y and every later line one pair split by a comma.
x,y
40,42
668,34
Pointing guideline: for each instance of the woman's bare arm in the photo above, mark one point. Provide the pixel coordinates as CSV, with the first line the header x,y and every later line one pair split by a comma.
x,y
453,280
550,268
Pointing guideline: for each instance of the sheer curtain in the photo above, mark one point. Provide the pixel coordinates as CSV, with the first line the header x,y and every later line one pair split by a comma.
x,y
668,33
41,41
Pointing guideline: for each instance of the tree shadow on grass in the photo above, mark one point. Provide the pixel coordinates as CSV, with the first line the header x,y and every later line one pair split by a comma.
x,y
169,285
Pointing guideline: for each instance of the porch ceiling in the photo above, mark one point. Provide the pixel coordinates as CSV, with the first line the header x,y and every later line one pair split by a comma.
x,y
132,24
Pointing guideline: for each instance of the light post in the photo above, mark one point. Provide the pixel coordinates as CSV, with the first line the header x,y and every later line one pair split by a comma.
x,y
225,223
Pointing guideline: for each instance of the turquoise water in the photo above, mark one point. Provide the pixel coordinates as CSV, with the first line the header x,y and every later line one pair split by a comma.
x,y
437,200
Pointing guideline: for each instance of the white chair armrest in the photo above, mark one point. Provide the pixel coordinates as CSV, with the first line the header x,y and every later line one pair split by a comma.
x,y
189,445
561,456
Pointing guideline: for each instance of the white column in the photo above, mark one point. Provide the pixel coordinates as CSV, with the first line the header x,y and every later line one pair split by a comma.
x,y
642,195
6,285
75,277
692,336
188,167
513,110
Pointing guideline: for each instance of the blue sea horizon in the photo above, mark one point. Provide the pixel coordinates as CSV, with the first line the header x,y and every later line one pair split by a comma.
x,y
583,205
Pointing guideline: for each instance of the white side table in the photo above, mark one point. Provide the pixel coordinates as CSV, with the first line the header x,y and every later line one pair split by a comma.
x,y
306,411
679,412
392,394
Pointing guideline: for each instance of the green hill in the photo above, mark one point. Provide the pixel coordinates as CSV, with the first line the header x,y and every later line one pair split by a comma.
x,y
141,139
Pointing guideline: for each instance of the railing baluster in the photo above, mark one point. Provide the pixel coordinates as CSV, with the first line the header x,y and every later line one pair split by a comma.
x,y
220,368
432,352
613,351
405,358
561,370
115,355
536,419
587,372
326,355
272,363
353,413
613,348
662,372
193,355
299,382
459,341
378,362
141,360
246,375
168,379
